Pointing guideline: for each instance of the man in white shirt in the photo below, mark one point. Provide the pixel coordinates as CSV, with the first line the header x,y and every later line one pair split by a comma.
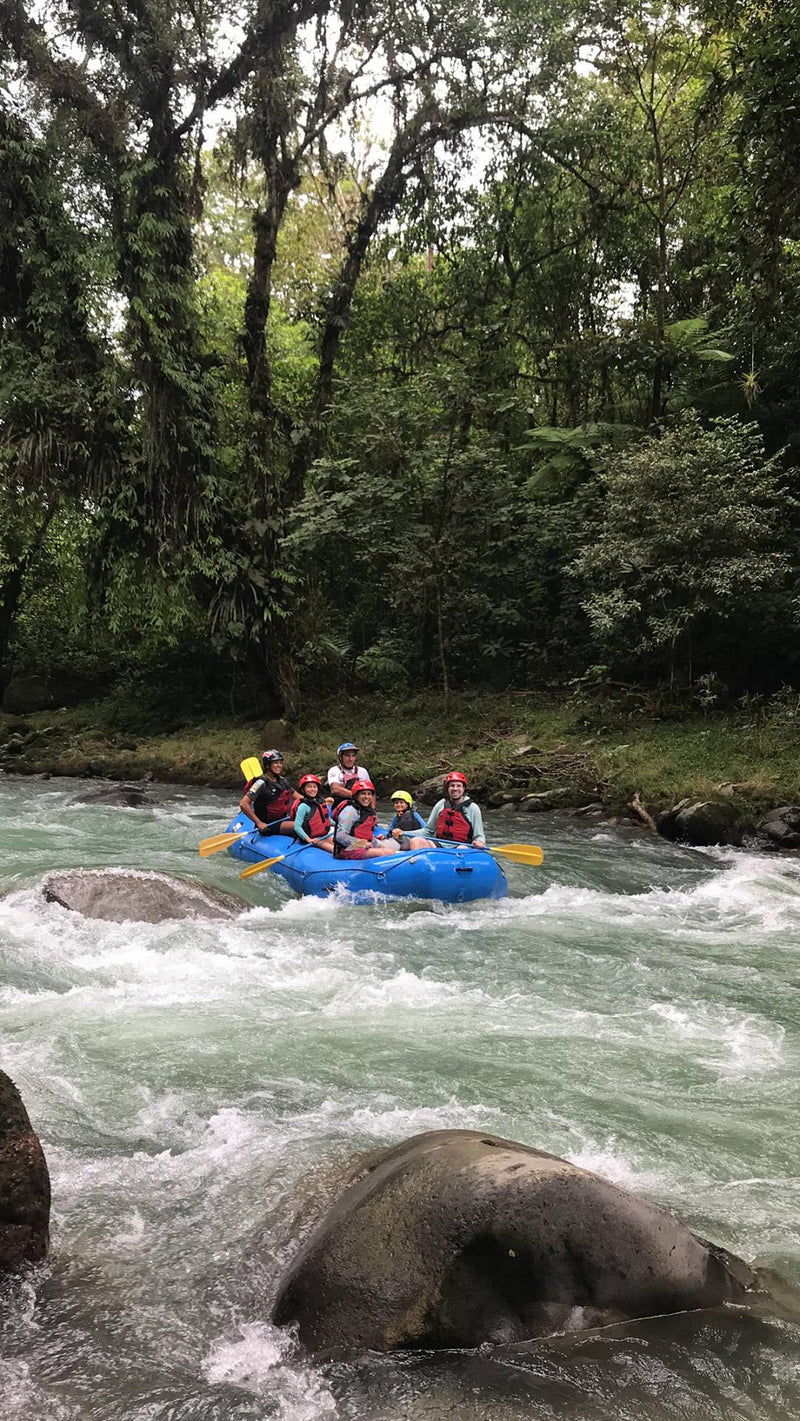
x,y
344,774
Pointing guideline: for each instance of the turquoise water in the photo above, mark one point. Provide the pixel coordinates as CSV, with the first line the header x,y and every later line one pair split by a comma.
x,y
632,1006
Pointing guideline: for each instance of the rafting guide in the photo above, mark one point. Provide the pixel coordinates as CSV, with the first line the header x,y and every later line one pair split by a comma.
x,y
343,775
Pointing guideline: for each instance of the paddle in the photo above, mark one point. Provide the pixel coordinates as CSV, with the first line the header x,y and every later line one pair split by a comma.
x,y
529,854
218,842
259,867
251,769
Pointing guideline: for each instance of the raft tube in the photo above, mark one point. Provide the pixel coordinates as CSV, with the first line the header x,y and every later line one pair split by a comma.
x,y
459,874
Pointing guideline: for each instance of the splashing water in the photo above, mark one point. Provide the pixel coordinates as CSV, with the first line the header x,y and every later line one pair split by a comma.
x,y
633,1006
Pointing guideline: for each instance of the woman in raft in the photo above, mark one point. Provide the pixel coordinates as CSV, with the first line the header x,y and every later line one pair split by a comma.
x,y
269,801
312,822
455,817
355,826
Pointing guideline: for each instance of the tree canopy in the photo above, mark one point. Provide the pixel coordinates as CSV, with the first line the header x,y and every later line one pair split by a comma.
x,y
402,344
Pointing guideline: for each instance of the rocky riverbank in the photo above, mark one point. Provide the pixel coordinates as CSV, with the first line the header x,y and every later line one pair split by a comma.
x,y
702,779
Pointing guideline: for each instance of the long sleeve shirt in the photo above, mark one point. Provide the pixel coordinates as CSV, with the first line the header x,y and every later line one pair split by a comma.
x,y
346,821
303,813
470,811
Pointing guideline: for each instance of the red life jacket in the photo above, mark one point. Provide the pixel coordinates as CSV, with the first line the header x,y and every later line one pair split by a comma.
x,y
319,820
364,826
273,801
452,823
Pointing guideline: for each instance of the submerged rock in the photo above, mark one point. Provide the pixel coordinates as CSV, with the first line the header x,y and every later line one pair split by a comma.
x,y
24,1185
782,827
121,796
124,896
455,1238
704,823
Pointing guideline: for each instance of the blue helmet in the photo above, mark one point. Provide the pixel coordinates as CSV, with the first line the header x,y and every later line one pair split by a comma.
x,y
345,745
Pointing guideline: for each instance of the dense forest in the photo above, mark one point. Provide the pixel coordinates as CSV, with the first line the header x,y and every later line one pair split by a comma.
x,y
405,344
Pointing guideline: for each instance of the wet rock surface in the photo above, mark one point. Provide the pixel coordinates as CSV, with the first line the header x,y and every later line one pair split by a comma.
x,y
456,1238
705,823
781,827
123,895
119,796
24,1185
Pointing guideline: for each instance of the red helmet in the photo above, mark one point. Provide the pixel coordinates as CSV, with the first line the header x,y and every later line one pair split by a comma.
x,y
358,785
455,777
308,780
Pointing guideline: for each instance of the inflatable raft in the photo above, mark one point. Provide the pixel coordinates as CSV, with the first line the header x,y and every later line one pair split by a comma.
x,y
451,875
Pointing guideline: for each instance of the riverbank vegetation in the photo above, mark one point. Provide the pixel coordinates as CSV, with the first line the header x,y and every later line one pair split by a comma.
x,y
401,350
604,745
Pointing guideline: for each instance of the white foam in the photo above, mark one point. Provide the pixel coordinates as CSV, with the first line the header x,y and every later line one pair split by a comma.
x,y
259,1360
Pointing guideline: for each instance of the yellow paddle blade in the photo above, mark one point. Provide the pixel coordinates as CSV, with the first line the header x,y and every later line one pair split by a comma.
x,y
219,842
259,867
251,769
529,854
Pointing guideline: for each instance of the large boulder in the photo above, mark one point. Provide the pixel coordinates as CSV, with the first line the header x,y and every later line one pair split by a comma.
x,y
782,827
430,790
24,1185
124,896
456,1238
705,822
279,735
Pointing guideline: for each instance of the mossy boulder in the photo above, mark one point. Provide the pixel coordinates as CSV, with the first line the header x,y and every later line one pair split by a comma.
x,y
707,822
24,1185
281,735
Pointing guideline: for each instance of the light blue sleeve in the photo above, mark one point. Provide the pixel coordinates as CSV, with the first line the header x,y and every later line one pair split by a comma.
x,y
476,820
299,822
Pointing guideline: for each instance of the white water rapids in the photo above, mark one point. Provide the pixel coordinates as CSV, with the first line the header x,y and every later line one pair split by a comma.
x,y
632,1006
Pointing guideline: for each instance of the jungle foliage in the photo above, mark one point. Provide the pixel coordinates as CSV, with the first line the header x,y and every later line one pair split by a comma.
x,y
370,347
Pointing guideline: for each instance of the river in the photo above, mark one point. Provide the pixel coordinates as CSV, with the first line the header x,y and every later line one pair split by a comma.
x,y
633,1006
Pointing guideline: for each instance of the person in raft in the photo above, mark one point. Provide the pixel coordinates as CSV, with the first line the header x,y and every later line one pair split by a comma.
x,y
406,819
312,817
269,801
355,826
454,817
342,777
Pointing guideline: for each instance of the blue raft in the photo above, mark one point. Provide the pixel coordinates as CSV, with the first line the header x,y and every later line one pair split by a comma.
x,y
451,875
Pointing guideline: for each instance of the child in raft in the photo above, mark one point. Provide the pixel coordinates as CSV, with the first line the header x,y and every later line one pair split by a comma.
x,y
406,819
312,822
